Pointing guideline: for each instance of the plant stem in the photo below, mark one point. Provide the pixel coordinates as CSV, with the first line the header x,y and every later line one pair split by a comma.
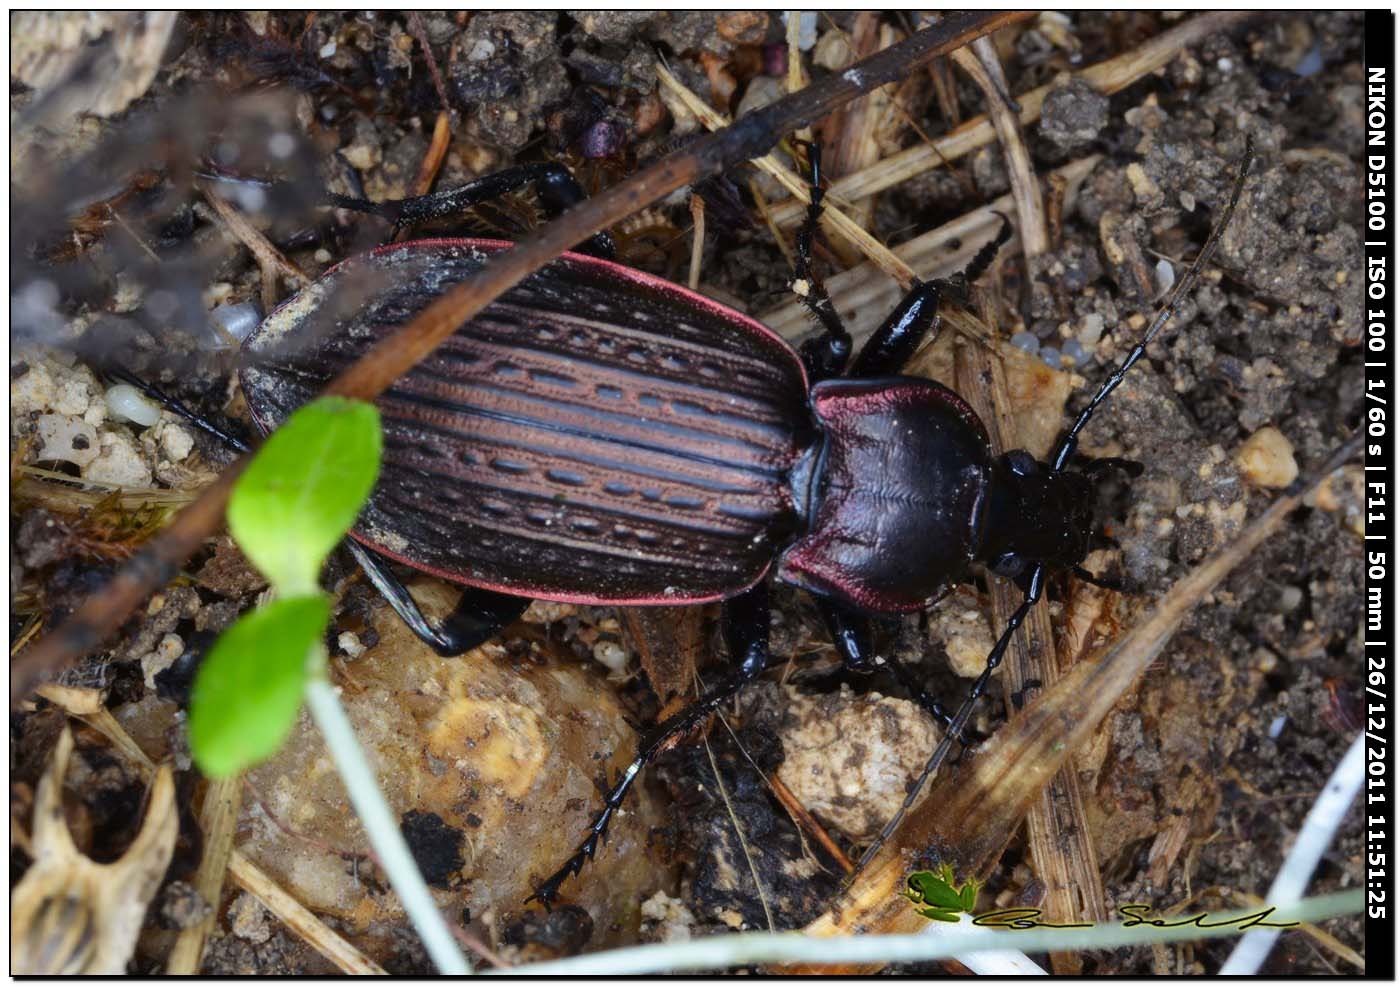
x,y
1319,829
383,831
724,951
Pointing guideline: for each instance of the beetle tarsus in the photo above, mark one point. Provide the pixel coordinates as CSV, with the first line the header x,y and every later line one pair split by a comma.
x,y
555,187
826,355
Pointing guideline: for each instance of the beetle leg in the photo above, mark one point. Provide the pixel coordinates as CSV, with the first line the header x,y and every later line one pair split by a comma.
x,y
894,342
850,631
825,355
746,624
480,614
555,186
1102,581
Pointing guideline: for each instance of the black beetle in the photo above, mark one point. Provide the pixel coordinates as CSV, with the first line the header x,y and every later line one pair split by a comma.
x,y
600,435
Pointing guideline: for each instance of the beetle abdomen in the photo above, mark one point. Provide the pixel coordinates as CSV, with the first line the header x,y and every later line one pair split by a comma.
x,y
593,435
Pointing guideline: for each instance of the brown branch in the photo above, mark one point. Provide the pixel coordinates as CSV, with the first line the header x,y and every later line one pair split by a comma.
x,y
749,137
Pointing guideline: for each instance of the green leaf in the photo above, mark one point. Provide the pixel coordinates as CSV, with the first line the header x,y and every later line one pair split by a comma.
x,y
304,489
248,690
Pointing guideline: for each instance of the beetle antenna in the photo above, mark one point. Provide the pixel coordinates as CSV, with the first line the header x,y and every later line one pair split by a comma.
x,y
1164,314
1035,580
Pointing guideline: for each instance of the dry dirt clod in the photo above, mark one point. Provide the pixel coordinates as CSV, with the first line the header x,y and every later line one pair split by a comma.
x,y
848,757
1266,459
1073,115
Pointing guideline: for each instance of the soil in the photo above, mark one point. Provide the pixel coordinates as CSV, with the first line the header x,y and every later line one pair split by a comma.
x,y
1215,757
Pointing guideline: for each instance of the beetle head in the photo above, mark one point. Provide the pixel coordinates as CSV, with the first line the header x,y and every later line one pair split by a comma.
x,y
1035,516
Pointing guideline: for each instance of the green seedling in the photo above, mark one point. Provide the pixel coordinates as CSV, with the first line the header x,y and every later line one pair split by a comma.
x,y
293,504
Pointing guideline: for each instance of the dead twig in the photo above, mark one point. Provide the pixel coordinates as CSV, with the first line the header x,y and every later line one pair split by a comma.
x,y
420,33
803,819
750,137
270,260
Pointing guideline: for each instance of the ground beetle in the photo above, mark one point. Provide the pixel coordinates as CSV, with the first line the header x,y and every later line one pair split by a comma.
x,y
599,435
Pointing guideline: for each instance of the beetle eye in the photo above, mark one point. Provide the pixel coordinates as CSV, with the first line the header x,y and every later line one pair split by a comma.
x,y
1009,565
1022,463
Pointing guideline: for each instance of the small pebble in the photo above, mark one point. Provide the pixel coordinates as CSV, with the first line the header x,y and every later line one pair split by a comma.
x,y
248,920
1276,727
238,320
1026,341
1091,330
1311,63
1266,459
328,49
170,646
175,442
1166,276
1075,352
611,656
67,439
126,403
350,644
1050,355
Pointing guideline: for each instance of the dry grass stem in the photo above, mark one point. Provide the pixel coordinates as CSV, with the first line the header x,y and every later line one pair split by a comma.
x,y
849,134
1108,77
862,299
980,61
697,241
762,203
1327,941
217,819
436,154
833,218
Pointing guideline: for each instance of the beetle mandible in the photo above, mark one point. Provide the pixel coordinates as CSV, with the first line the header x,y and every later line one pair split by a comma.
x,y
600,435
